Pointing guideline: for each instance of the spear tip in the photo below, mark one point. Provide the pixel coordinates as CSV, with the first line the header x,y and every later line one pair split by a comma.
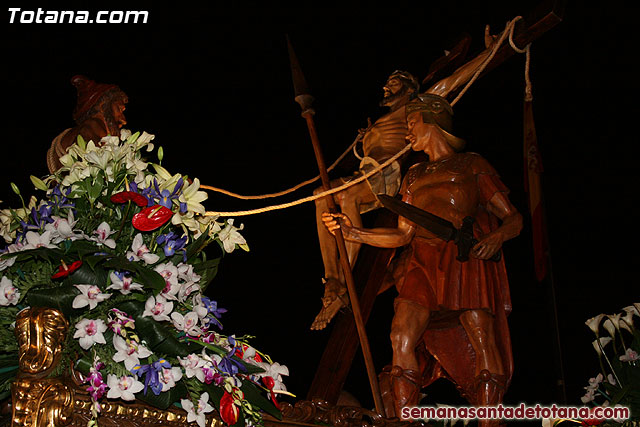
x,y
299,82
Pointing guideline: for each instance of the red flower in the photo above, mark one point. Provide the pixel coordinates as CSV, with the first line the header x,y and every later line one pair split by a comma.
x,y
269,382
64,270
229,412
150,218
125,196
592,421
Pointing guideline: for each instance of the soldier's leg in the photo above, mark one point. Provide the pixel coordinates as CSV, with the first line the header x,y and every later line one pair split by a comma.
x,y
409,323
478,325
490,381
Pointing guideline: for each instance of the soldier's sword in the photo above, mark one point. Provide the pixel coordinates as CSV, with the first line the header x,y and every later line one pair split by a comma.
x,y
442,228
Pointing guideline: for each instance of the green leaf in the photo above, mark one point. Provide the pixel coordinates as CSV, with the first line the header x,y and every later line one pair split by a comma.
x,y
207,271
86,275
216,349
256,398
165,399
48,254
61,298
195,247
82,248
161,339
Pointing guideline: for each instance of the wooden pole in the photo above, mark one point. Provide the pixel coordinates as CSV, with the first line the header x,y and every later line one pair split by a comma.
x,y
304,99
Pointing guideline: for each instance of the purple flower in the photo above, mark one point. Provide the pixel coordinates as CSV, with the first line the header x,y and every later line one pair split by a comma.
x,y
165,197
212,376
214,313
229,365
97,387
151,375
172,243
59,200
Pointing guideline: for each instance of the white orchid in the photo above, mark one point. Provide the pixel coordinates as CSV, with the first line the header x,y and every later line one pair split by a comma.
x,y
90,332
141,252
9,294
36,240
169,273
629,356
193,365
129,352
158,308
90,295
62,228
230,237
187,323
589,396
123,388
197,414
101,235
275,371
124,284
169,376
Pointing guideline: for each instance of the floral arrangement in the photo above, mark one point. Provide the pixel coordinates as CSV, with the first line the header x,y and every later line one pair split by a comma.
x,y
618,349
117,245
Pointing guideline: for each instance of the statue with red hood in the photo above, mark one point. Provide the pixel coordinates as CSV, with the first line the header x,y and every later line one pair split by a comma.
x,y
99,112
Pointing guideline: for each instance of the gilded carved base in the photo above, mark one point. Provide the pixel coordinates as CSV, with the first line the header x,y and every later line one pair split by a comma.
x,y
37,401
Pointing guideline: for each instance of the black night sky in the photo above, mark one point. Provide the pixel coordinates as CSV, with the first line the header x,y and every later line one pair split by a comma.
x,y
214,85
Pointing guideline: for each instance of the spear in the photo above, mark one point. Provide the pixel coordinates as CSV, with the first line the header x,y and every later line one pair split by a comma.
x,y
305,100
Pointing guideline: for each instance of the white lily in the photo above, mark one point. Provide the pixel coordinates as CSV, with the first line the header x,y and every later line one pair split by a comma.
x,y
9,294
90,295
145,140
90,332
123,388
192,197
230,237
